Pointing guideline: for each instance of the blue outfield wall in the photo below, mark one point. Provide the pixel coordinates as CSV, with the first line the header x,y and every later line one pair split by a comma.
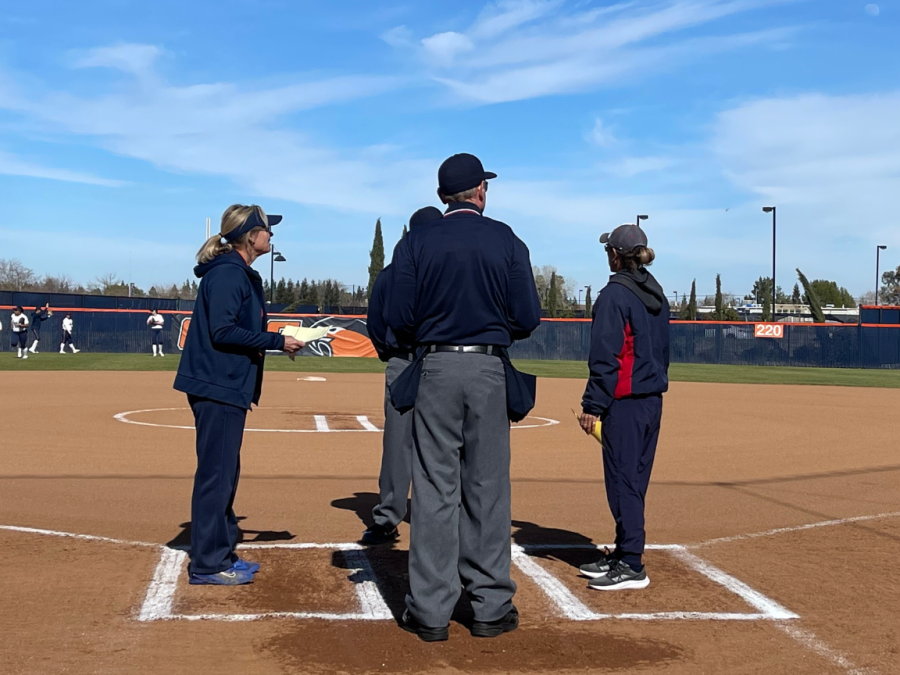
x,y
805,345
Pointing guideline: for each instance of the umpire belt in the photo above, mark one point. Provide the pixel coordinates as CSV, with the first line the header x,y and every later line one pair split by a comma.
x,y
490,350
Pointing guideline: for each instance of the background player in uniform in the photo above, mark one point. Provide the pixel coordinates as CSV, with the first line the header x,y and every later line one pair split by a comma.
x,y
38,316
68,325
629,363
18,326
462,291
156,321
397,442
221,371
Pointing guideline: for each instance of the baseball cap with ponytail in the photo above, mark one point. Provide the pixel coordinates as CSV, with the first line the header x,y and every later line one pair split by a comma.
x,y
630,242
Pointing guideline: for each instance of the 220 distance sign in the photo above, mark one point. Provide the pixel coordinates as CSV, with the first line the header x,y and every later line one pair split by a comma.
x,y
769,330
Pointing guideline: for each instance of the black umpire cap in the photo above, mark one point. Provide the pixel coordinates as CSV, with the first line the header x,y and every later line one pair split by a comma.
x,y
425,215
624,237
460,173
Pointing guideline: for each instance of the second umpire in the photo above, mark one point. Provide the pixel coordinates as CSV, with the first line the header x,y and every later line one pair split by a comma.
x,y
462,291
397,443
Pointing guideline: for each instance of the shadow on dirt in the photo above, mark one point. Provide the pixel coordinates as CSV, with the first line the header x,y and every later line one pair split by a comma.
x,y
182,540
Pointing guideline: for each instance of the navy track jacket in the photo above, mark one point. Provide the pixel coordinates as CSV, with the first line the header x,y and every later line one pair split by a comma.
x,y
224,352
629,342
462,280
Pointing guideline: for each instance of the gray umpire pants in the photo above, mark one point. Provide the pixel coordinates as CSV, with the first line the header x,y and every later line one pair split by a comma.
x,y
460,532
396,455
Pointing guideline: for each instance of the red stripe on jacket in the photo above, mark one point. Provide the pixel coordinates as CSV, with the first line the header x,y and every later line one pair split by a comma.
x,y
626,364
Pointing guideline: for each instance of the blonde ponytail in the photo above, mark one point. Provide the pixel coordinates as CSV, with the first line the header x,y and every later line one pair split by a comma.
x,y
639,256
233,217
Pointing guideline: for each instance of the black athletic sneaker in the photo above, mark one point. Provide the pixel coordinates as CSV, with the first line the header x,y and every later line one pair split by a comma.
x,y
489,629
600,567
425,633
621,577
379,535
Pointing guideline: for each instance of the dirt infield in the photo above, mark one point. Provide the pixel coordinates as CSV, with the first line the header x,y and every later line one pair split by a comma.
x,y
774,514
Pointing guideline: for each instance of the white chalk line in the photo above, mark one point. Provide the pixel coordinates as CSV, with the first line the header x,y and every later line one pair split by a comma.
x,y
796,528
371,601
814,644
321,422
71,535
161,592
564,600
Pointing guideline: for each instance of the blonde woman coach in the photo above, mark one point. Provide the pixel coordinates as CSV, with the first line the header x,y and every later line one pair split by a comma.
x,y
221,371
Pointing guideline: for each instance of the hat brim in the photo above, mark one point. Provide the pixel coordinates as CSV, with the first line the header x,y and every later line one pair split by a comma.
x,y
273,219
604,238
489,175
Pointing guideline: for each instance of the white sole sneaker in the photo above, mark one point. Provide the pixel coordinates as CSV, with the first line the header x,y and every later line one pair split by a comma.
x,y
632,585
592,575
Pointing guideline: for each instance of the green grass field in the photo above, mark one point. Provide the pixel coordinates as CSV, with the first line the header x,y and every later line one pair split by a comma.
x,y
679,372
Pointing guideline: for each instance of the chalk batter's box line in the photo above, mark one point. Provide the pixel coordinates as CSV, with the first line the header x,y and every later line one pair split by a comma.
x,y
160,597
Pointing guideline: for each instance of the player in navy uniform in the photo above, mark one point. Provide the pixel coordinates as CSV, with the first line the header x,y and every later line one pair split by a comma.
x,y
18,325
38,316
629,363
397,442
156,322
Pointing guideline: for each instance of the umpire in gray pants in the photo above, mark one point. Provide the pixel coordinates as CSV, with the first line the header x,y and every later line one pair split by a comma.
x,y
397,446
462,290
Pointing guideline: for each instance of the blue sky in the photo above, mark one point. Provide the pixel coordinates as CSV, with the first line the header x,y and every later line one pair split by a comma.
x,y
124,125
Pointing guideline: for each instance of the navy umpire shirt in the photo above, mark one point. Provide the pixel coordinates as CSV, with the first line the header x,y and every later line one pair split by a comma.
x,y
463,280
386,343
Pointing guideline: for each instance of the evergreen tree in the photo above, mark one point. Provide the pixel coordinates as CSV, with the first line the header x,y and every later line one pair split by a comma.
x,y
303,293
289,292
795,296
815,306
281,293
553,297
376,257
767,308
689,311
588,304
719,314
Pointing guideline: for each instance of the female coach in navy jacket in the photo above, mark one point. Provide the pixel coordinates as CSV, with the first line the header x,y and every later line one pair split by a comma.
x,y
221,371
629,363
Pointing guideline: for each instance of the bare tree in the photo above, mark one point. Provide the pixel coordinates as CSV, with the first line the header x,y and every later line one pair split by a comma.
x,y
14,276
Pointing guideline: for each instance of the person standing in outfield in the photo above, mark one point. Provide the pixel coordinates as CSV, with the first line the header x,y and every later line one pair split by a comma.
x,y
221,371
462,291
18,324
629,364
38,316
397,442
156,322
68,325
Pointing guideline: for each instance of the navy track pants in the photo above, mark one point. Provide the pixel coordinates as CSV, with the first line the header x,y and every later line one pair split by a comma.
x,y
630,432
214,527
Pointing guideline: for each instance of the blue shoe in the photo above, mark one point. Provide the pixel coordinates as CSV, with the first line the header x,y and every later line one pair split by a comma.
x,y
245,566
230,577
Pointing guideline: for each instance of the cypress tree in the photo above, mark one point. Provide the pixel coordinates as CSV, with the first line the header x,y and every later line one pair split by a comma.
x,y
815,306
588,305
553,297
720,304
376,257
689,311
767,308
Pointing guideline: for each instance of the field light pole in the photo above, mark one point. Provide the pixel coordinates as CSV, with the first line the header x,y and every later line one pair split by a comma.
x,y
771,209
637,221
276,257
878,250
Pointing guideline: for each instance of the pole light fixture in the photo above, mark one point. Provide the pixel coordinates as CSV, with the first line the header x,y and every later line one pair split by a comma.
x,y
276,257
878,250
771,209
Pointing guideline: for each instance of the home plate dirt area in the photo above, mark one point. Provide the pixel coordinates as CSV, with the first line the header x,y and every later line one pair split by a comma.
x,y
773,518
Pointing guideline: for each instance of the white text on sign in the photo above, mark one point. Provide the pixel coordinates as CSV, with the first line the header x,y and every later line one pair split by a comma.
x,y
769,330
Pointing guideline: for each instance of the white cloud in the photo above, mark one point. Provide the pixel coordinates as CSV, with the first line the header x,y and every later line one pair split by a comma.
x,y
522,49
873,10
628,167
443,48
399,36
601,135
130,58
228,130
14,166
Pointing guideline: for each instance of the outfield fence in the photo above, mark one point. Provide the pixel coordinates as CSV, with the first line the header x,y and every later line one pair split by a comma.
x,y
866,345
